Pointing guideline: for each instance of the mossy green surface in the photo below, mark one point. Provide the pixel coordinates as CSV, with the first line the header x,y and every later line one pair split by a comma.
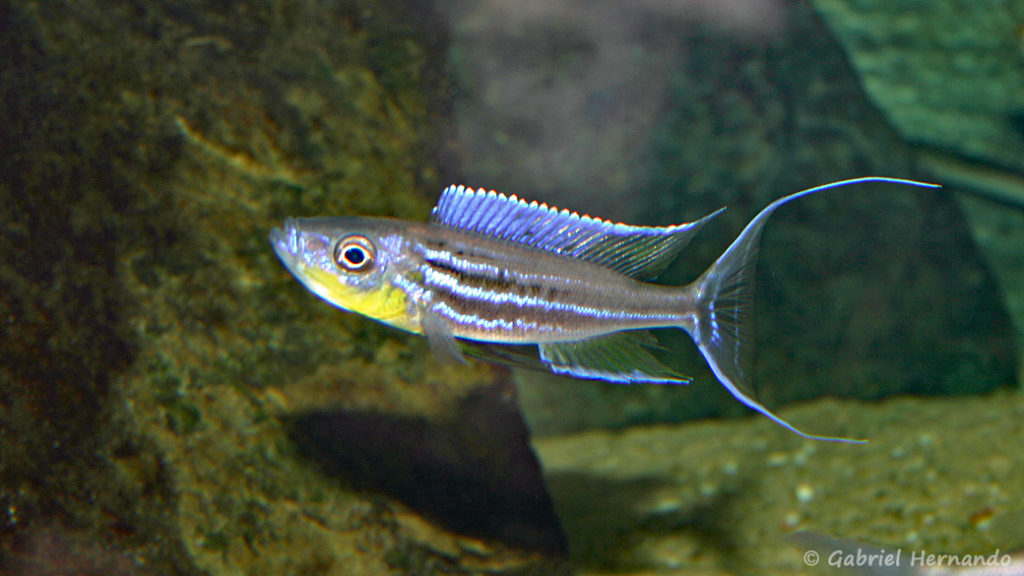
x,y
152,341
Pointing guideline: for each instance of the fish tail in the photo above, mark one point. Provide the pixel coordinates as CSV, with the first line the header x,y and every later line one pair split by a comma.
x,y
722,324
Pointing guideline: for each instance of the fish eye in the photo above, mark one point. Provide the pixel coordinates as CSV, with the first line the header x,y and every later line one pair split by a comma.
x,y
354,253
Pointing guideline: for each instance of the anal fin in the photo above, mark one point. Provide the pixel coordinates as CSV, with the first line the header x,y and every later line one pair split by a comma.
x,y
622,357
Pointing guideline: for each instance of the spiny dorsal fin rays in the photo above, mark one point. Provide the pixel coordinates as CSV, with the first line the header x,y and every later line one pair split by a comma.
x,y
636,251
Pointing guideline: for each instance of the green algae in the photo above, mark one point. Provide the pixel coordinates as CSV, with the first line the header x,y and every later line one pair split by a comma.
x,y
153,335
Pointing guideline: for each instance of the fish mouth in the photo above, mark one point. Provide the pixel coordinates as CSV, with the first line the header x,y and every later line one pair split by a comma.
x,y
285,240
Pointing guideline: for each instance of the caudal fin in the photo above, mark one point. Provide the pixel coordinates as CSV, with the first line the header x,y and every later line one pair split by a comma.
x,y
722,326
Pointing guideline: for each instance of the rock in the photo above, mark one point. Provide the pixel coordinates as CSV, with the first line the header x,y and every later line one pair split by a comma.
x,y
947,76
473,472
865,292
154,347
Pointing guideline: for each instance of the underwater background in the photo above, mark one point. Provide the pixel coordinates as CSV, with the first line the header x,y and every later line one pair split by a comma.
x,y
173,402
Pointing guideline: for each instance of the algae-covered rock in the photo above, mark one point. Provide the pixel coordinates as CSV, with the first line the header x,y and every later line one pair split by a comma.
x,y
863,292
154,350
948,75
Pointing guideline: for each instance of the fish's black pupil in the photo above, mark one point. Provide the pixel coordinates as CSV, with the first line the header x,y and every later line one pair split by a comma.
x,y
355,255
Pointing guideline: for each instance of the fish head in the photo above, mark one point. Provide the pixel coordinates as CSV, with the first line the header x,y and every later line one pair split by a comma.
x,y
349,262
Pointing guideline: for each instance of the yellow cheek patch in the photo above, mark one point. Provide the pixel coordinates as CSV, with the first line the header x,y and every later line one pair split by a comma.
x,y
386,303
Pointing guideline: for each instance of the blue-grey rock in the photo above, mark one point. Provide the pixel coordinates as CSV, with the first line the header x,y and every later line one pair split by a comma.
x,y
864,292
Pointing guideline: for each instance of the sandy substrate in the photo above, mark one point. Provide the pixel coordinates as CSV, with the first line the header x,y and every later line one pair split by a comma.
x,y
720,497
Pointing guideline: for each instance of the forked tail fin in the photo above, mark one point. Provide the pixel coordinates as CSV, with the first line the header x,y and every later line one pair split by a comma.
x,y
722,325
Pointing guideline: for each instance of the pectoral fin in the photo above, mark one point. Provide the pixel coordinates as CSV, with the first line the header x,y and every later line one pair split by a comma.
x,y
442,343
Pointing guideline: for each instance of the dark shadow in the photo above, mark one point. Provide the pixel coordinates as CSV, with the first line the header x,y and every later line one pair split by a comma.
x,y
605,526
1016,121
474,473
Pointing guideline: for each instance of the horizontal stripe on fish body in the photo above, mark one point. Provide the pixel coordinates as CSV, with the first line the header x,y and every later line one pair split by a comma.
x,y
501,292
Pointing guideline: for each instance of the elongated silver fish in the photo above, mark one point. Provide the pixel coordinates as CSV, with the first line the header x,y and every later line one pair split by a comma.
x,y
496,269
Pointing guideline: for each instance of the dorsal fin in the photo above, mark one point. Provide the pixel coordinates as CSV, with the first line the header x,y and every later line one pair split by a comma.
x,y
636,251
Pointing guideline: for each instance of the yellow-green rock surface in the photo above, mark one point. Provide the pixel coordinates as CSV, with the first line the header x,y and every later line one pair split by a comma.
x,y
156,355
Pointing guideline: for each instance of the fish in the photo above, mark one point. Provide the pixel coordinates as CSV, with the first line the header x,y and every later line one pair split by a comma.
x,y
491,271
859,558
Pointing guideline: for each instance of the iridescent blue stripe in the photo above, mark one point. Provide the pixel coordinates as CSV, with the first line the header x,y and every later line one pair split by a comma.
x,y
482,297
